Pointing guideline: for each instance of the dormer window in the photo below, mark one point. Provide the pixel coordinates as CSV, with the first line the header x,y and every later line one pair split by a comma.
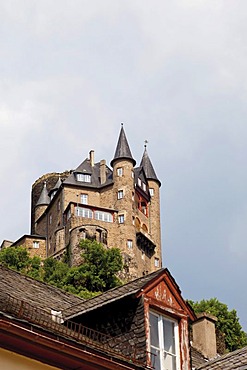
x,y
144,186
82,177
164,344
139,182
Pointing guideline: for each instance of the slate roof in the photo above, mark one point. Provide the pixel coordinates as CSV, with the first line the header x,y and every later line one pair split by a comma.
x,y
236,360
44,197
148,167
122,149
197,358
111,295
36,293
86,168
56,186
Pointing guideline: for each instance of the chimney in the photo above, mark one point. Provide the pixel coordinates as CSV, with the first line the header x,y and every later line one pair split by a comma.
x,y
91,157
102,171
204,337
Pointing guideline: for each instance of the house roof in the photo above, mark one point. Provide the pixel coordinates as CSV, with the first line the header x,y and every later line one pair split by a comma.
x,y
148,167
122,150
111,295
236,360
35,292
86,168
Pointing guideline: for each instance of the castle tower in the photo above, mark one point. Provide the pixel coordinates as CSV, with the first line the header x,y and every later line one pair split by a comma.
x,y
41,204
154,207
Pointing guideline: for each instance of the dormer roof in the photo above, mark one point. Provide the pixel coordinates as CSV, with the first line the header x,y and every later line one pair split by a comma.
x,y
57,186
148,167
44,199
122,149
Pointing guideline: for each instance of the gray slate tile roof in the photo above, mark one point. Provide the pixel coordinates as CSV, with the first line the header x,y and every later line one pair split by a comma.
x,y
44,198
35,292
236,360
122,149
86,168
111,295
148,167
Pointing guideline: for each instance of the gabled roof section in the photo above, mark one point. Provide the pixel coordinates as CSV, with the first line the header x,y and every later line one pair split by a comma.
x,y
44,199
94,171
122,149
236,360
36,293
56,186
112,295
148,167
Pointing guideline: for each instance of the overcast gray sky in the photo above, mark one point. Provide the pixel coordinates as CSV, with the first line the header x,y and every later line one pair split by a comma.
x,y
175,73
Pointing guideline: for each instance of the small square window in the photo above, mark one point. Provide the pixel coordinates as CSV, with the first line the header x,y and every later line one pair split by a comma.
x,y
120,171
121,219
84,198
120,194
35,244
156,262
130,243
151,191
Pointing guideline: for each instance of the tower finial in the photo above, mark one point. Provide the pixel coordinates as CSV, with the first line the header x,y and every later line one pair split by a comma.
x,y
145,143
121,124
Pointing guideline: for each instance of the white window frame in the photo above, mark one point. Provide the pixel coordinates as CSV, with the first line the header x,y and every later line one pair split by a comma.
x,y
120,194
103,216
151,192
83,177
84,198
144,186
156,262
139,181
163,355
84,212
120,171
121,219
35,244
130,243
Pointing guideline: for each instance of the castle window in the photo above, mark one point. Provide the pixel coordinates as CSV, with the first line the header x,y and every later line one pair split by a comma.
x,y
50,219
103,216
130,243
82,177
120,194
59,205
120,171
164,344
35,244
151,191
84,212
121,219
156,262
144,186
84,198
139,182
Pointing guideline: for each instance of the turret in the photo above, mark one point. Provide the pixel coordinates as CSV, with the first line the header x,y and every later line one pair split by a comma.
x,y
42,203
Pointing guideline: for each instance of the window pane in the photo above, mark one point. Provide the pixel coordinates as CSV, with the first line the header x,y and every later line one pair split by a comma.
x,y
154,334
155,358
169,340
169,362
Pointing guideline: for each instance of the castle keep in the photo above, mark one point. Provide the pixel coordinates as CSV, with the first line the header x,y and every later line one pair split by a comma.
x,y
119,207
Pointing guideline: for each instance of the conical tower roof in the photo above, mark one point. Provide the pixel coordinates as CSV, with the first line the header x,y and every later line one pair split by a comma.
x,y
44,197
123,149
57,185
146,164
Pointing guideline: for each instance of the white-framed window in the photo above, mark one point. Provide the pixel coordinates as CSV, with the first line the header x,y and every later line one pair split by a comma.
x,y
121,219
151,191
84,198
139,182
130,243
84,212
120,194
83,177
35,244
144,186
103,216
164,342
156,262
120,171
50,219
132,174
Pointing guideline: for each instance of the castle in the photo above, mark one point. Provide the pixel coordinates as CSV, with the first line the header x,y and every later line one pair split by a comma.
x,y
118,207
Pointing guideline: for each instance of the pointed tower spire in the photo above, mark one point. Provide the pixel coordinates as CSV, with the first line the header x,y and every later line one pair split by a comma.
x,y
147,166
56,187
122,149
44,197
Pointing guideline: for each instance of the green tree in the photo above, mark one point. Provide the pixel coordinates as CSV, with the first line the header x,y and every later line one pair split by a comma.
x,y
227,322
